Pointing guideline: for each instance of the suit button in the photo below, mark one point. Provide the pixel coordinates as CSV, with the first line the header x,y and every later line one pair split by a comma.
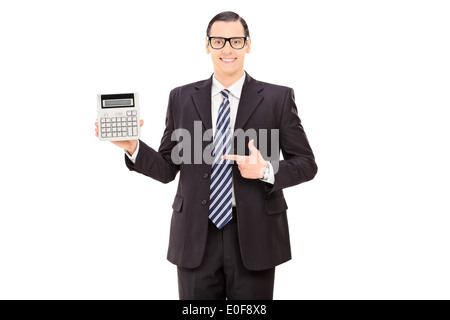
x,y
204,202
205,176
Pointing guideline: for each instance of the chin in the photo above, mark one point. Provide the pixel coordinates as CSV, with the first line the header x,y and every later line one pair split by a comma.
x,y
230,71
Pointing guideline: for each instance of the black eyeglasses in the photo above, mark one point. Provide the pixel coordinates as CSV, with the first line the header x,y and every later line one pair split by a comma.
x,y
219,42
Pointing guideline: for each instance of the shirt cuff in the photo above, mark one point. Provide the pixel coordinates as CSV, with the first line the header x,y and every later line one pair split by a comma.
x,y
271,178
134,155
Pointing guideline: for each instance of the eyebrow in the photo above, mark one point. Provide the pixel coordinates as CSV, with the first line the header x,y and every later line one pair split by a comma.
x,y
227,37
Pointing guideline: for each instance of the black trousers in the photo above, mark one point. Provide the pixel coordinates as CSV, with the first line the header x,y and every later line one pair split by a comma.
x,y
222,274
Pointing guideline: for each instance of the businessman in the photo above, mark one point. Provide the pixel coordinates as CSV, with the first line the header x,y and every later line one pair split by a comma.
x,y
229,227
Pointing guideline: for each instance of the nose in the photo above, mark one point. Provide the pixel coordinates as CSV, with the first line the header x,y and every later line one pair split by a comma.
x,y
227,48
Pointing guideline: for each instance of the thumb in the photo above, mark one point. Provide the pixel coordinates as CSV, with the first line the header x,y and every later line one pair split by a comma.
x,y
251,147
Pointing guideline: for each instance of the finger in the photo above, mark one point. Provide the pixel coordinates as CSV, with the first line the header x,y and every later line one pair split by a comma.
x,y
96,124
234,157
251,147
142,122
230,157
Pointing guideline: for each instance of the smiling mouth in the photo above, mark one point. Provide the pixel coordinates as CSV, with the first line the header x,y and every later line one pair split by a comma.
x,y
228,60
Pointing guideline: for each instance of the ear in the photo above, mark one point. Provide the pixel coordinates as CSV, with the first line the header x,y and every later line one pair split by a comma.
x,y
208,50
248,45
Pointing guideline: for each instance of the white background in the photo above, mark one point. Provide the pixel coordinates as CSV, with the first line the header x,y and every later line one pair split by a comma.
x,y
372,83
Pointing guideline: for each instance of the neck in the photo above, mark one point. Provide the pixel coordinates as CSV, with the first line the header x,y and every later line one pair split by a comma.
x,y
228,80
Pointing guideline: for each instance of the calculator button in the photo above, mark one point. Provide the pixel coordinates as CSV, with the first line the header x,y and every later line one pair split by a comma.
x,y
114,134
124,119
102,120
103,135
135,131
129,118
134,112
109,135
134,118
128,113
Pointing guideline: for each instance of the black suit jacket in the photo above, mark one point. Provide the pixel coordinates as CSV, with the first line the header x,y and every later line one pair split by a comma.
x,y
261,207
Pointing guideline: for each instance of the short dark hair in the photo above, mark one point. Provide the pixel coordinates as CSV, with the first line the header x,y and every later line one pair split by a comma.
x,y
228,16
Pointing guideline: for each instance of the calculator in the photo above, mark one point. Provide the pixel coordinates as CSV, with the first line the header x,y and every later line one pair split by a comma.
x,y
118,117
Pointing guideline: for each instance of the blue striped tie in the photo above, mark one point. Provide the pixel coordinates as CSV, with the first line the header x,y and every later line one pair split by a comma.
x,y
220,206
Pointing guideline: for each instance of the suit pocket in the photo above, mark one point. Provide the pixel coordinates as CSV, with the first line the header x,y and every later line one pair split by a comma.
x,y
177,203
277,205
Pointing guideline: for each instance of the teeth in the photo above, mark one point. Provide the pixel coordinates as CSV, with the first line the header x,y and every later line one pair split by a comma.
x,y
228,60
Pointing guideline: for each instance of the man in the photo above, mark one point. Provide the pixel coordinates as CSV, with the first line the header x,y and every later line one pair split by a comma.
x,y
229,227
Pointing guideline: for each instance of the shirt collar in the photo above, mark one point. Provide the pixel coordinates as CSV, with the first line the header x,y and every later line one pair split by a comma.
x,y
235,88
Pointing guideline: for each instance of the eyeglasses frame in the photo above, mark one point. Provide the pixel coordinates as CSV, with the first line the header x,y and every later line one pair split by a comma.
x,y
229,41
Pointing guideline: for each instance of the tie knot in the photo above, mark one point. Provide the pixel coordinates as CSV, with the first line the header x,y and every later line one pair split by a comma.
x,y
225,93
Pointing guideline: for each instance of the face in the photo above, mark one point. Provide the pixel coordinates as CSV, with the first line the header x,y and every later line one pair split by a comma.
x,y
228,61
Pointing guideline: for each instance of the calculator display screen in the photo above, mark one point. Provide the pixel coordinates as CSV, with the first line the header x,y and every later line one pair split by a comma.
x,y
124,100
117,103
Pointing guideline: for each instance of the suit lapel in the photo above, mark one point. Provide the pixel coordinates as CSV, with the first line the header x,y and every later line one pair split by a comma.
x,y
202,102
251,97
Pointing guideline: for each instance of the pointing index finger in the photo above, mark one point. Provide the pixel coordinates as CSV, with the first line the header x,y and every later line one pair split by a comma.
x,y
234,157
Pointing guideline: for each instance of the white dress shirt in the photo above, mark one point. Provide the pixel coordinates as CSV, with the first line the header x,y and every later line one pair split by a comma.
x,y
216,100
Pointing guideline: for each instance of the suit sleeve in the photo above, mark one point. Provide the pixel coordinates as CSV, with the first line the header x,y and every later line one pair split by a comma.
x,y
298,164
158,164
